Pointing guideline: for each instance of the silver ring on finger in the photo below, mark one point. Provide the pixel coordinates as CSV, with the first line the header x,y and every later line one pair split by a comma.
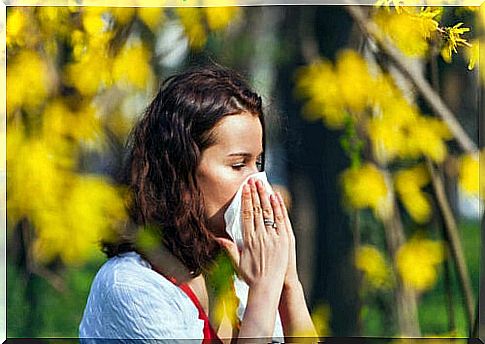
x,y
269,222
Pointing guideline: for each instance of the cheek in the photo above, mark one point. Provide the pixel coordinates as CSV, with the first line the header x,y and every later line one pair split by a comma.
x,y
220,189
226,189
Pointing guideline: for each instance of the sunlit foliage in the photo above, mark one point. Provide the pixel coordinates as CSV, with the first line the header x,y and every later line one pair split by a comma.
x,y
73,74
390,138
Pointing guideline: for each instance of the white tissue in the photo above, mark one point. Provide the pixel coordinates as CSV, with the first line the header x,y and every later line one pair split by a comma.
x,y
233,220
233,216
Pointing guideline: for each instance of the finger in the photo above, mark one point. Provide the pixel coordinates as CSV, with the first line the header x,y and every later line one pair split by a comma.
x,y
247,214
265,203
231,249
285,214
279,218
257,210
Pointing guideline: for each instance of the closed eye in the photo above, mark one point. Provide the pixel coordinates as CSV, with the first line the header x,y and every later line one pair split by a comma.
x,y
238,166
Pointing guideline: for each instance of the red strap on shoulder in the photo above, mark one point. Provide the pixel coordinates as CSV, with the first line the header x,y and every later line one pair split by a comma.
x,y
210,336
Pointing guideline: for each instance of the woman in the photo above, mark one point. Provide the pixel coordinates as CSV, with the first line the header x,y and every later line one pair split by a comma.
x,y
200,138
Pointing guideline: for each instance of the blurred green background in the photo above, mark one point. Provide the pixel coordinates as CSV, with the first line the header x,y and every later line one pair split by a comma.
x,y
356,146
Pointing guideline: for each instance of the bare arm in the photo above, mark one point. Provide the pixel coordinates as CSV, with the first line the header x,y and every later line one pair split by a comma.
x,y
295,317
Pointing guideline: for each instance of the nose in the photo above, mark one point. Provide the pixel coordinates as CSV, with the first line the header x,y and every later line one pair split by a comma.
x,y
253,170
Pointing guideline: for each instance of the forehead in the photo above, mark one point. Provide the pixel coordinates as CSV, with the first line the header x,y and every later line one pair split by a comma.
x,y
243,132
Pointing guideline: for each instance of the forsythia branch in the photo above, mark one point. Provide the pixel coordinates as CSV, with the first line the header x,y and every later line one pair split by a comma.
x,y
433,99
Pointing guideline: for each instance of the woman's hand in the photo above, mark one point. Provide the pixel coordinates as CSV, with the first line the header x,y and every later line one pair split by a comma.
x,y
291,276
267,263
264,257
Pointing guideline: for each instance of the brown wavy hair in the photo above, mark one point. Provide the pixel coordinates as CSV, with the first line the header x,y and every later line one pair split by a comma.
x,y
164,150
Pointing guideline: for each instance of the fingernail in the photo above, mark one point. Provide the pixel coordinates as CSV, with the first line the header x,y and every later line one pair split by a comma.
x,y
272,198
246,188
251,181
259,183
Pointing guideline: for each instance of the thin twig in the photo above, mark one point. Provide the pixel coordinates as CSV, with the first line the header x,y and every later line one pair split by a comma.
x,y
454,241
31,266
56,281
309,44
421,84
435,81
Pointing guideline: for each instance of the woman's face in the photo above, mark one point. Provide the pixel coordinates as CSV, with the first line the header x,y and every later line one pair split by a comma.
x,y
235,155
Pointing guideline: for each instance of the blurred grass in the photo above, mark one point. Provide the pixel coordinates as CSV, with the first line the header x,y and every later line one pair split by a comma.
x,y
56,314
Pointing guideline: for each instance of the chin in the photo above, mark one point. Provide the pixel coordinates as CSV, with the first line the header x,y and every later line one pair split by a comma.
x,y
217,224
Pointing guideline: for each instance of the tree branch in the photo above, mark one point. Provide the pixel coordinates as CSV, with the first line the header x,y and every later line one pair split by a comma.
x,y
421,84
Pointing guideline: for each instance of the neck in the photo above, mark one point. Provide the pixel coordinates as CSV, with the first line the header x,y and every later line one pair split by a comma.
x,y
165,263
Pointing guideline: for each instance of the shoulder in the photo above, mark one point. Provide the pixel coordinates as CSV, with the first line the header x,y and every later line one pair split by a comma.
x,y
129,269
130,300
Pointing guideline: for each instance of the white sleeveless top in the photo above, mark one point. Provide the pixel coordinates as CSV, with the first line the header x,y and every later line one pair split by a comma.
x,y
129,300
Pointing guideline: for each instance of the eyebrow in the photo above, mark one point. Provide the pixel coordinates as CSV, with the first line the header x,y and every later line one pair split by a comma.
x,y
244,154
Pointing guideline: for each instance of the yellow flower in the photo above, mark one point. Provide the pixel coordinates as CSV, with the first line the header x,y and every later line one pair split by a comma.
x,y
408,185
417,261
191,19
366,187
473,53
29,81
220,17
91,72
16,21
35,175
124,73
372,263
319,84
409,31
55,20
384,93
332,92
59,121
453,40
354,80
92,207
426,136
469,173
321,319
78,43
389,128
151,16
398,130
93,21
